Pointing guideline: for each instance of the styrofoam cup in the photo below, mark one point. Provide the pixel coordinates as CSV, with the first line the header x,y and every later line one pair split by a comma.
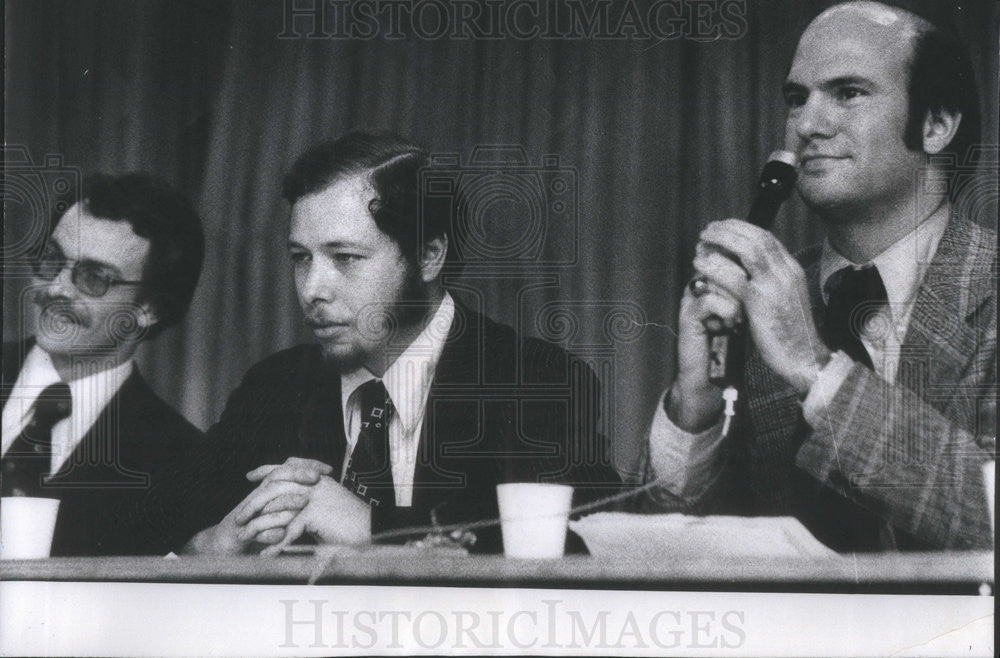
x,y
533,518
26,527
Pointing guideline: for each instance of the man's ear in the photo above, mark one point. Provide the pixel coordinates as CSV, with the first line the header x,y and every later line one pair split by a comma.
x,y
146,317
940,127
432,255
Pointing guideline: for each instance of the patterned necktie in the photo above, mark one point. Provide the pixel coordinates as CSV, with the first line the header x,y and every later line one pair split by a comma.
x,y
369,470
854,297
26,464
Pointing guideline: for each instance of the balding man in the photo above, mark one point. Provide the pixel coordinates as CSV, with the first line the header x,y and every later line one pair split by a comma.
x,y
870,384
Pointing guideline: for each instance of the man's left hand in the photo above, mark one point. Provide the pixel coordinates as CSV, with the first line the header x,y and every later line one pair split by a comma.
x,y
772,287
333,515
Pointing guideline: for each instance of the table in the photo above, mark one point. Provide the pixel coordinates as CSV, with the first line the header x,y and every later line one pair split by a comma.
x,y
960,573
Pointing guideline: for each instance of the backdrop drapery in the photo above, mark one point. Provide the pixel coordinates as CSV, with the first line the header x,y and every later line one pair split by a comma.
x,y
660,137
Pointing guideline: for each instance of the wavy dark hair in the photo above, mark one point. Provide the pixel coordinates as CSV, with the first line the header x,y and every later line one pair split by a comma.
x,y
393,166
161,214
942,78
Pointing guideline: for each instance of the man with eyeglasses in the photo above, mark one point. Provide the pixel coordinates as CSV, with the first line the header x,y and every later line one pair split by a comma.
x,y
79,422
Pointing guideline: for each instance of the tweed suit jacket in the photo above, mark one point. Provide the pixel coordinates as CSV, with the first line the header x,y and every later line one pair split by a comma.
x,y
500,408
910,452
104,486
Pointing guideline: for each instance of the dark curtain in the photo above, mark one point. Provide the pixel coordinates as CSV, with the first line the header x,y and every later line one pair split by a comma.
x,y
654,138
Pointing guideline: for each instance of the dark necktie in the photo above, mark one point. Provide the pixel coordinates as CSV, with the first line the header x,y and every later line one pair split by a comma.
x,y
369,471
29,458
853,297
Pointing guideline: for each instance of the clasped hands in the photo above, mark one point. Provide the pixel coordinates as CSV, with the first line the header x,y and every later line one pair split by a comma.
x,y
291,499
747,273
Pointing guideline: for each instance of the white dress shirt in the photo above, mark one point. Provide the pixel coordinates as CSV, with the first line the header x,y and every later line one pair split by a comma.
x,y
688,464
408,382
91,393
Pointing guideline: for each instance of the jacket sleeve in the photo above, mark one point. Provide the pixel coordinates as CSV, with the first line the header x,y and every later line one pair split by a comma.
x,y
888,449
913,452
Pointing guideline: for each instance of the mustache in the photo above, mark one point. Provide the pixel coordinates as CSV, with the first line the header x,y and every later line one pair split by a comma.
x,y
60,308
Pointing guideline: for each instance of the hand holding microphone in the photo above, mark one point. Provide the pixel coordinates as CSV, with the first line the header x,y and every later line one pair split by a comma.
x,y
775,185
726,345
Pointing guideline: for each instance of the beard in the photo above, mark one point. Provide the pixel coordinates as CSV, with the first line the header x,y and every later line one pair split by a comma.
x,y
383,332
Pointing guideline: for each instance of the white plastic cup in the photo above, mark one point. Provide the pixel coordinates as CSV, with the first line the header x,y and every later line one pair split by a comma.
x,y
533,519
26,527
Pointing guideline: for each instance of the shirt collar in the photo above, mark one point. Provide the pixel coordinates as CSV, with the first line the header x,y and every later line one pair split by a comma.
x,y
901,265
408,380
37,373
91,393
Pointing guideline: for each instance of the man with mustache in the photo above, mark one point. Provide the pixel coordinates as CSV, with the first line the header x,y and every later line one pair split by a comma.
x,y
80,424
411,407
870,388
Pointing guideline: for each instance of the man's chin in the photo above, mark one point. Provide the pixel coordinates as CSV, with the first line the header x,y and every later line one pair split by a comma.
x,y
59,331
65,344
825,194
344,356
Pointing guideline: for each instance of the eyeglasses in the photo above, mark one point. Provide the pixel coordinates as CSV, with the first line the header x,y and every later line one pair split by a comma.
x,y
89,277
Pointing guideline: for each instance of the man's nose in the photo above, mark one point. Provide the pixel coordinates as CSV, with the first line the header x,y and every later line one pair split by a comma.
x,y
61,285
814,118
318,284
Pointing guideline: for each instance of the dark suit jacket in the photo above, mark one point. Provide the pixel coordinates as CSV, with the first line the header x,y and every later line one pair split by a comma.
x,y
500,409
104,485
906,454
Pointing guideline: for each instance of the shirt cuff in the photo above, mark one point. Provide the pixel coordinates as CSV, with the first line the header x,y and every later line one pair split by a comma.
x,y
685,464
828,381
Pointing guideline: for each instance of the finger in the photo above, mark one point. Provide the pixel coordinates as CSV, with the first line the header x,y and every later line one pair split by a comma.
x,y
289,501
722,273
757,249
261,496
718,310
292,533
322,467
271,536
300,474
265,522
295,463
260,472
292,473
738,228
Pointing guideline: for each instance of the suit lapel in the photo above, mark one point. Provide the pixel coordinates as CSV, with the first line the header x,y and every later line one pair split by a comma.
x,y
107,453
454,415
939,338
321,428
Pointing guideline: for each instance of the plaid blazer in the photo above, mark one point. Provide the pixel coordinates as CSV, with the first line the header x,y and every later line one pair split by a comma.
x,y
909,452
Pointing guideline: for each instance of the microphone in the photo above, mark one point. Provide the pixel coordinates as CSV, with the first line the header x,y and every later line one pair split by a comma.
x,y
777,179
727,347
